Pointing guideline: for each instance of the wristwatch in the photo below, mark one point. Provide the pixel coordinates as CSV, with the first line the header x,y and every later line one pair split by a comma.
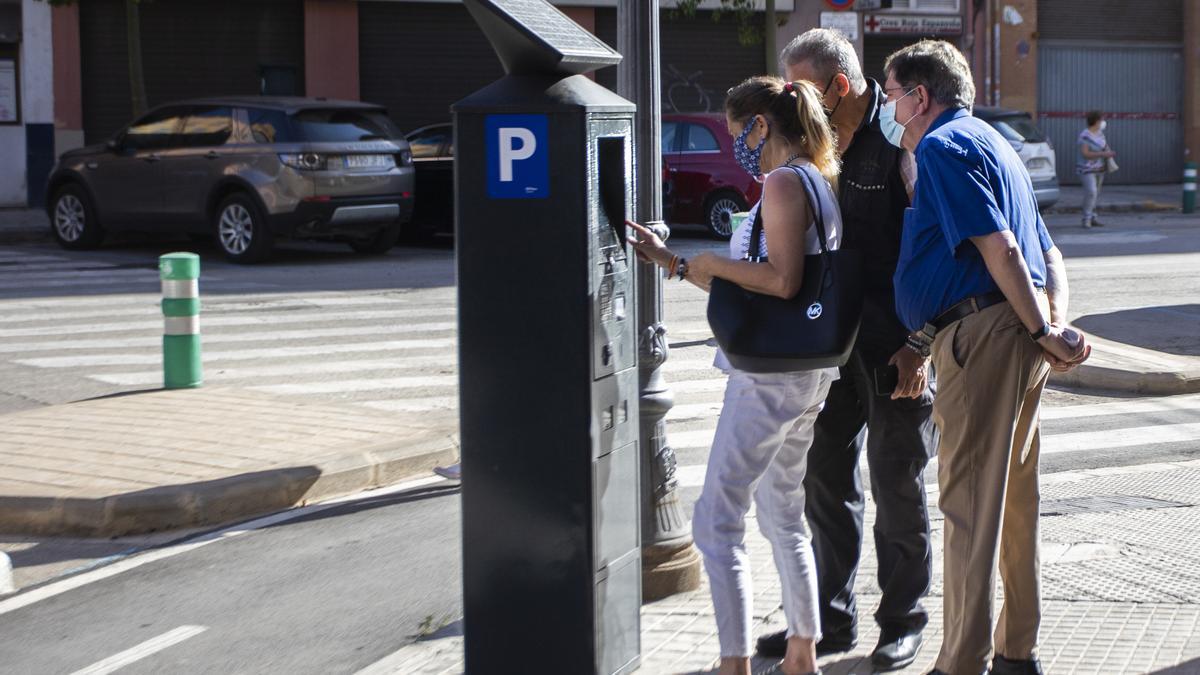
x,y
1040,333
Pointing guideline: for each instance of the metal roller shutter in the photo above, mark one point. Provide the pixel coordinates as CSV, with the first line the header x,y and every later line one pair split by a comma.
x,y
701,59
1090,52
189,49
876,49
1155,20
419,58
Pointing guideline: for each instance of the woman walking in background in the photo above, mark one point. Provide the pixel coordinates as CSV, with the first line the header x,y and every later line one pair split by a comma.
x,y
766,425
1094,162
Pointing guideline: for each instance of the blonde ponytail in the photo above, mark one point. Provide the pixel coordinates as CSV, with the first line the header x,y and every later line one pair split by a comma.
x,y
795,111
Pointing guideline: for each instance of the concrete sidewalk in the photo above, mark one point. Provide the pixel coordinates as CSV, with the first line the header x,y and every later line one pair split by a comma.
x,y
1119,597
1123,198
163,460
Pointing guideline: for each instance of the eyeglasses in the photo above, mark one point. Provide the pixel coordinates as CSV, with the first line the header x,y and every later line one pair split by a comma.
x,y
891,89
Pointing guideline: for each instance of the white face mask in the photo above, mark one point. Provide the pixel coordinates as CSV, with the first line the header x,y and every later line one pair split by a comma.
x,y
1103,124
893,129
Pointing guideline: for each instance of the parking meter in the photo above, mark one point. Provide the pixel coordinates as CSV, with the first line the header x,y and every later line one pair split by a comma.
x,y
547,342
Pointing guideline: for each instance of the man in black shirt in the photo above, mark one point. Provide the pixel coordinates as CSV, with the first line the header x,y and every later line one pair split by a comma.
x,y
873,192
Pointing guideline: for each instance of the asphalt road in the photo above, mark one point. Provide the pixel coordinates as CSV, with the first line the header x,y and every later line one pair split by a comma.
x,y
335,590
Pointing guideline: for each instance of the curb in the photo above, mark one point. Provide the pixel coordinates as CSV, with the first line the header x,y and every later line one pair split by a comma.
x,y
1147,206
1155,383
227,499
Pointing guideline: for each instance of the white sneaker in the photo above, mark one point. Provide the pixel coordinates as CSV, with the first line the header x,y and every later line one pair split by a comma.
x,y
1087,224
452,472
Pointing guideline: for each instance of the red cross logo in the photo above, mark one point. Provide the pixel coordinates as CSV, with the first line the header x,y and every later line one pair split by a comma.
x,y
872,23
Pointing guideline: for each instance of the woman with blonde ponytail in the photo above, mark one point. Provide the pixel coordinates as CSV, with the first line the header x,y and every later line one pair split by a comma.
x,y
766,425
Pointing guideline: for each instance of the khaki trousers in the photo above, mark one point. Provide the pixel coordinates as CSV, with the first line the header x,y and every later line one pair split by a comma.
x,y
990,380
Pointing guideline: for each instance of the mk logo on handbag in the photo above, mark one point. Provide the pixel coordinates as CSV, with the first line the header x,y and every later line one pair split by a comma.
x,y
814,310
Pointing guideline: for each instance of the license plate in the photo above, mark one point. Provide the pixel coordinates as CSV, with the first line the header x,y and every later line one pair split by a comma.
x,y
370,161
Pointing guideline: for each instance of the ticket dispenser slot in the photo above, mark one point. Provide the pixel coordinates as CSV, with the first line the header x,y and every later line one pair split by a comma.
x,y
611,163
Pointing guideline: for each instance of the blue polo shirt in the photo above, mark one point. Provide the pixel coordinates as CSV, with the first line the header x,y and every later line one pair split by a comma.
x,y
970,183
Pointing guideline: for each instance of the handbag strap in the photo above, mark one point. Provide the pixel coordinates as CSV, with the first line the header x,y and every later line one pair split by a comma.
x,y
752,252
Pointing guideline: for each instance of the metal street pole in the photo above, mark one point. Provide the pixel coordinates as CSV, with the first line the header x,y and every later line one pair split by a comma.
x,y
670,563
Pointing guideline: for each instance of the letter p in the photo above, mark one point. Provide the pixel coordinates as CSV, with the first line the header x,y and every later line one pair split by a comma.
x,y
511,152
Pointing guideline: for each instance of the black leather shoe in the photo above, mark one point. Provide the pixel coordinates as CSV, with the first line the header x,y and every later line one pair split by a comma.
x,y
1003,666
896,649
774,646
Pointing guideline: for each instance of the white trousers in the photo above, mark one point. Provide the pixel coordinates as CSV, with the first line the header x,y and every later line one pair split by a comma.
x,y
760,449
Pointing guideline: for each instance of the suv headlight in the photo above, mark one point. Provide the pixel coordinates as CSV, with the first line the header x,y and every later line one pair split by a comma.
x,y
305,161
404,158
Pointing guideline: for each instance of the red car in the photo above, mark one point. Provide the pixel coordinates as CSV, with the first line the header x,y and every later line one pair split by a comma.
x,y
707,184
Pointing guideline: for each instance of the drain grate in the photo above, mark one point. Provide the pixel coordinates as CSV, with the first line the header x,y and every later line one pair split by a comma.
x,y
1105,504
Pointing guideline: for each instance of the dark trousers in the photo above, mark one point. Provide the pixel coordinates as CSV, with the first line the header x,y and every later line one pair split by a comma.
x,y
900,437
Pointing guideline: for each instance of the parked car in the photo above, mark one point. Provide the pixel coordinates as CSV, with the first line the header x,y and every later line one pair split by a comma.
x,y
433,157
244,169
1032,146
707,183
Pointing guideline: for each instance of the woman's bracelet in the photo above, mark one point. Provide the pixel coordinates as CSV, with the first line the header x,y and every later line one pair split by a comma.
x,y
672,266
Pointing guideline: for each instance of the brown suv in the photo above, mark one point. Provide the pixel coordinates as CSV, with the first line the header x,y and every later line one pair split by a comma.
x,y
245,170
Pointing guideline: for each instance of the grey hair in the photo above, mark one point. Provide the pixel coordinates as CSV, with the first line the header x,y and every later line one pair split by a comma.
x,y
829,53
937,65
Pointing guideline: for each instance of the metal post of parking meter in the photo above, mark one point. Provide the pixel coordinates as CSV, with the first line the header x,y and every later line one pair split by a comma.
x,y
547,352
670,563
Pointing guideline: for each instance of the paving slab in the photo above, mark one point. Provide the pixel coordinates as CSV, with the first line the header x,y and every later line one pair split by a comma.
x,y
163,460
1118,595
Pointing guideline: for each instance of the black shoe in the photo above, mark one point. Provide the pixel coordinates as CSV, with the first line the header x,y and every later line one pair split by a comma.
x,y
1003,666
896,649
774,646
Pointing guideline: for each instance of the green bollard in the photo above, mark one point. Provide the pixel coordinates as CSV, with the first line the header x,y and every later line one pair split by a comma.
x,y
1189,187
180,274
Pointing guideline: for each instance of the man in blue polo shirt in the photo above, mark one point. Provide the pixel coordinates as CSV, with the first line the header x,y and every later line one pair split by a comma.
x,y
983,288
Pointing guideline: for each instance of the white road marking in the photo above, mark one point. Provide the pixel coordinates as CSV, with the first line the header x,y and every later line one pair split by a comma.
x,y
426,404
130,302
699,385
214,372
147,358
59,327
688,411
137,560
217,338
1141,405
345,386
1052,444
91,274
139,652
1080,441
93,283
45,265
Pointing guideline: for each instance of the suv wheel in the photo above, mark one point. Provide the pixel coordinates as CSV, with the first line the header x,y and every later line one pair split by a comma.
x,y
73,219
379,243
241,230
718,212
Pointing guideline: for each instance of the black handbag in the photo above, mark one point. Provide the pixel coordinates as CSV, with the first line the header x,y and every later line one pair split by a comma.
x,y
815,329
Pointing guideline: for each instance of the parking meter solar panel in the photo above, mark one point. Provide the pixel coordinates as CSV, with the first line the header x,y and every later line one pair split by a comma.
x,y
533,36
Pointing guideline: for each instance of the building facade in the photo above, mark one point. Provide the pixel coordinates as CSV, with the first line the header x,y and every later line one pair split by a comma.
x,y
64,70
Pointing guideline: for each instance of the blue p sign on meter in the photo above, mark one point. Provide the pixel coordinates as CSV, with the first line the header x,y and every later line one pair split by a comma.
x,y
518,156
